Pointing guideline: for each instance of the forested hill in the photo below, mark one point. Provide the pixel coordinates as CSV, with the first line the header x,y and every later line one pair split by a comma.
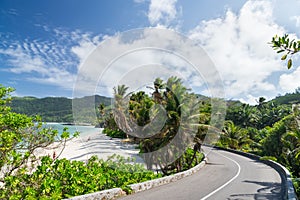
x,y
54,109
289,98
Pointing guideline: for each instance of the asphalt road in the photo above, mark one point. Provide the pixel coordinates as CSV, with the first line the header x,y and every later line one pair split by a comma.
x,y
226,176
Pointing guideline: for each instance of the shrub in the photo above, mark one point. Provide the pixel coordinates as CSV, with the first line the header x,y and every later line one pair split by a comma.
x,y
62,178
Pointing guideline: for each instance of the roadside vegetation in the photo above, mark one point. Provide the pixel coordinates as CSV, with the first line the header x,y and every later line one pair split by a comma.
x,y
289,46
25,175
62,178
269,129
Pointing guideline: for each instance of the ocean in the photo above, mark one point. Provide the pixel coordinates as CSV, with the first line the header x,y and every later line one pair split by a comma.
x,y
84,130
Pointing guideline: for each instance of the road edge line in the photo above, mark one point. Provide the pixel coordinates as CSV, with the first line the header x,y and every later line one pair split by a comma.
x,y
228,182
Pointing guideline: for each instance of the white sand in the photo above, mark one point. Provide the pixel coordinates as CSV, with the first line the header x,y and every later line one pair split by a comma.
x,y
82,148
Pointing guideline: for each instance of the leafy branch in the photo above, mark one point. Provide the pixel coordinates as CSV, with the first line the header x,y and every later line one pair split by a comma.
x,y
286,46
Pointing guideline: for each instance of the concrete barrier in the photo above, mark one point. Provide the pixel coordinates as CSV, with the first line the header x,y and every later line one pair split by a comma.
x,y
101,195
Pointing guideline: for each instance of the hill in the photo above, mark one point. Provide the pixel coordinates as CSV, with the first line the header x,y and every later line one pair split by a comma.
x,y
57,109
289,98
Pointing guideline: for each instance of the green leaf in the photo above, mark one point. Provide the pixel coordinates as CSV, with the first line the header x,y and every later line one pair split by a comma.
x,y
290,63
280,51
284,57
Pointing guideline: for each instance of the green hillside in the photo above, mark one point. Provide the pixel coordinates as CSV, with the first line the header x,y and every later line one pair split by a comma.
x,y
57,109
289,98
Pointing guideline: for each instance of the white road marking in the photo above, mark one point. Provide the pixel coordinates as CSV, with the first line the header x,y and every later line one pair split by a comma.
x,y
224,185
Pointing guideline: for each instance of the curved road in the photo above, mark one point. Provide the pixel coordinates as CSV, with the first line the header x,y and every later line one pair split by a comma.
x,y
225,176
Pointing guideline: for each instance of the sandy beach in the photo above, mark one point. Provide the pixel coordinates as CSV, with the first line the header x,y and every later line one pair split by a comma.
x,y
82,148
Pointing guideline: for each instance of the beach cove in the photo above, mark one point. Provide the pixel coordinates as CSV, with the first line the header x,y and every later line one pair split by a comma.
x,y
90,142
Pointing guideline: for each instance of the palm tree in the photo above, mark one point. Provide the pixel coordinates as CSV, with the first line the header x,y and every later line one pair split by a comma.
x,y
234,136
260,102
158,85
120,91
120,109
292,139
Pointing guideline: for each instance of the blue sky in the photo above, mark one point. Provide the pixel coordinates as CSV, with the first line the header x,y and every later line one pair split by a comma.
x,y
44,43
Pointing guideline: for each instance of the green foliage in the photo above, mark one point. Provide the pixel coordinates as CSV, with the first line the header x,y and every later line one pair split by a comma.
x,y
289,98
133,113
25,176
285,46
260,116
271,143
296,183
62,178
291,139
189,159
20,136
234,137
242,115
139,108
114,133
269,158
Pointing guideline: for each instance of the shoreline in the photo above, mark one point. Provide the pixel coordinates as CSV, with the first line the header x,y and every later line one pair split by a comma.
x,y
84,147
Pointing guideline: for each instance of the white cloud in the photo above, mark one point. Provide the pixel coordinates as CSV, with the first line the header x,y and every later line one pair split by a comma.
x,y
296,19
53,62
249,99
28,59
138,57
85,47
162,12
238,45
290,81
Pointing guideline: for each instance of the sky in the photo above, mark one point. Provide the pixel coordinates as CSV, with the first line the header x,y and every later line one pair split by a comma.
x,y
46,44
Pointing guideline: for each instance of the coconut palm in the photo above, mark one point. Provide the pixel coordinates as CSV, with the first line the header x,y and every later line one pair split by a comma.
x,y
120,90
158,85
233,136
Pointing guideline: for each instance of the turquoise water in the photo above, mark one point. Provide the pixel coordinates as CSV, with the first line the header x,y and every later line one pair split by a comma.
x,y
84,130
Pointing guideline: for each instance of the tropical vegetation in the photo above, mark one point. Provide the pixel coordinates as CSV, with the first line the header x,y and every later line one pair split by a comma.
x,y
167,124
26,175
269,129
289,46
62,178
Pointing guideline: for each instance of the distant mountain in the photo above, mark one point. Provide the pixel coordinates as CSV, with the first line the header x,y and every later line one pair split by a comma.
x,y
58,109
